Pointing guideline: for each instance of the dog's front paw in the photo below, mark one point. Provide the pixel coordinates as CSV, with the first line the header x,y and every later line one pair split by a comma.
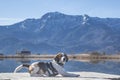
x,y
77,75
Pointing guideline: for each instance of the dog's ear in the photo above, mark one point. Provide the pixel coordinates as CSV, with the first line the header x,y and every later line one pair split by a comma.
x,y
57,58
66,57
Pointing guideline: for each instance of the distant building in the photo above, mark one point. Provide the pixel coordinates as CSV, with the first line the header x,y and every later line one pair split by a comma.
x,y
24,52
1,56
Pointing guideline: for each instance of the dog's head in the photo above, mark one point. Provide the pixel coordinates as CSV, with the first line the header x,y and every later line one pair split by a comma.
x,y
61,58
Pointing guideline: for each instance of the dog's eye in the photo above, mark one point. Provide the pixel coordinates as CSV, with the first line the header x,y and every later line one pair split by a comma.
x,y
64,59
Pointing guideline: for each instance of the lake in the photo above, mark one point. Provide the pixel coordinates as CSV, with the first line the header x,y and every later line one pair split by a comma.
x,y
110,67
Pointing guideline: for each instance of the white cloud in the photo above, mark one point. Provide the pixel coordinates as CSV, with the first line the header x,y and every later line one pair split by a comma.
x,y
9,21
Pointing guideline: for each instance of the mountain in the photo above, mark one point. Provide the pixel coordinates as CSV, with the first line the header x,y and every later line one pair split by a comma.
x,y
55,32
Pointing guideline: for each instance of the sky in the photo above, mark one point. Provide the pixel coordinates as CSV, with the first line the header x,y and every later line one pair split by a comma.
x,y
13,11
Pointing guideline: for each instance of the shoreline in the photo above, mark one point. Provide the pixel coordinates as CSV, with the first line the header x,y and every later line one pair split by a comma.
x,y
72,56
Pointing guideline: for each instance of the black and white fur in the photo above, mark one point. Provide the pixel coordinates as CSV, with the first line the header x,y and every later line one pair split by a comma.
x,y
53,68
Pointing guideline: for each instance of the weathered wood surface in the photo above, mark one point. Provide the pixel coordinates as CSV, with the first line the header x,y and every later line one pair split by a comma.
x,y
83,76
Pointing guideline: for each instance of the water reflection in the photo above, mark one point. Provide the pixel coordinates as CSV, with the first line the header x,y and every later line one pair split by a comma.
x,y
93,61
95,65
21,60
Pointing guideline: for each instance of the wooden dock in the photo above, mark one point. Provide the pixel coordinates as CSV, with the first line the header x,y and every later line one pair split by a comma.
x,y
83,76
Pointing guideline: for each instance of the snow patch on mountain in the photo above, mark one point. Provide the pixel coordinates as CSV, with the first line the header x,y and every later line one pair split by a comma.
x,y
85,19
23,26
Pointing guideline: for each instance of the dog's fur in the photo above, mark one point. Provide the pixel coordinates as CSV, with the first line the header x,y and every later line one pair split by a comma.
x,y
53,68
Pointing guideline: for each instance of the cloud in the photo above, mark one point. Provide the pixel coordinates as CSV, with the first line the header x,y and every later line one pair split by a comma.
x,y
9,21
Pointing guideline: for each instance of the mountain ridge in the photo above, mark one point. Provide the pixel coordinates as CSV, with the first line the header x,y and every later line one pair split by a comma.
x,y
55,32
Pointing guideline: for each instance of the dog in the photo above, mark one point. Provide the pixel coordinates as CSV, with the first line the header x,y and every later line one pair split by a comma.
x,y
48,69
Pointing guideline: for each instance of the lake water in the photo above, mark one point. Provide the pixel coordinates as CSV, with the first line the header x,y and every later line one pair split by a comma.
x,y
110,67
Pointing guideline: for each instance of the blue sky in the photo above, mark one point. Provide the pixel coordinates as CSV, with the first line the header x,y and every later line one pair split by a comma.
x,y
12,11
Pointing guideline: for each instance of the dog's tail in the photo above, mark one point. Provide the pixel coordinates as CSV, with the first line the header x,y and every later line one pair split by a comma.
x,y
20,67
